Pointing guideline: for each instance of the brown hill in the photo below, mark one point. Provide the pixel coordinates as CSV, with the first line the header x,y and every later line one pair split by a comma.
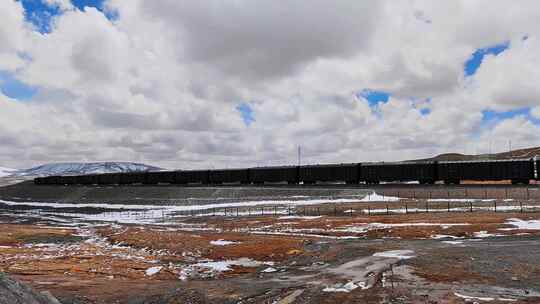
x,y
520,153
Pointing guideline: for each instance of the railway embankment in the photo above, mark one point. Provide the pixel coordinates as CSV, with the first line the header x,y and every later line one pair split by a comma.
x,y
167,194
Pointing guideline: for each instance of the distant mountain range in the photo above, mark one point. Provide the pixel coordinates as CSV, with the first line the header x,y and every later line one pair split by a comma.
x,y
6,171
514,154
114,167
77,169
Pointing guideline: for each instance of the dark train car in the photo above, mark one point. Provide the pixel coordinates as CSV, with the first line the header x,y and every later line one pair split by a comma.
x,y
130,178
423,172
536,168
53,180
69,180
62,180
229,176
87,179
349,173
519,171
192,177
160,177
260,175
107,178
453,172
48,180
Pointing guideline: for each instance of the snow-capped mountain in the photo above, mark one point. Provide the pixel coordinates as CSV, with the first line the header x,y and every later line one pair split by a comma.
x,y
84,168
7,171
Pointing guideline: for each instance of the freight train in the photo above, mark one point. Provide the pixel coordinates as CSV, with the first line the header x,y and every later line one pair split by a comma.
x,y
518,171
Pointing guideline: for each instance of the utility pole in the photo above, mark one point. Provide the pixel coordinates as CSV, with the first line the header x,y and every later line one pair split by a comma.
x,y
299,155
490,142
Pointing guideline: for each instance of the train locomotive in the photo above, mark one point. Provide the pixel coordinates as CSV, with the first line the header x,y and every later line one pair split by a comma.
x,y
518,171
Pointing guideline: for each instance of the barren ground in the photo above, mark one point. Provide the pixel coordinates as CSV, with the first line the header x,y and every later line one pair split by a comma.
x,y
349,257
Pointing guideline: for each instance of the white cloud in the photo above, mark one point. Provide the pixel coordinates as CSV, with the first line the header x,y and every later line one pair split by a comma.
x,y
161,82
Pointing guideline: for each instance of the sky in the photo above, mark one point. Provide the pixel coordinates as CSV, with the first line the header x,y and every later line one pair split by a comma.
x,y
208,84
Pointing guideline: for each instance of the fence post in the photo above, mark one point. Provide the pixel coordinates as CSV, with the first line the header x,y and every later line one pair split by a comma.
x,y
289,210
387,211
406,209
236,211
470,205
427,207
262,211
368,210
275,211
213,211
448,205
521,207
495,206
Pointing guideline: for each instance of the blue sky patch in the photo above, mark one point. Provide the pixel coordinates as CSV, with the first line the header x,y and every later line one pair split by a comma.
x,y
425,111
476,59
493,117
247,113
14,88
98,4
374,97
41,15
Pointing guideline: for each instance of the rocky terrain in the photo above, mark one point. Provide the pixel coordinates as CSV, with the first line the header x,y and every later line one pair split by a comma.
x,y
14,292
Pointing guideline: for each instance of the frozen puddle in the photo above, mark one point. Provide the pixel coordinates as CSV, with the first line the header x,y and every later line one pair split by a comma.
x,y
364,273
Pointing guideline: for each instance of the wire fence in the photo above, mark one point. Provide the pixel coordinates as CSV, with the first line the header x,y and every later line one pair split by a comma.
x,y
402,207
162,214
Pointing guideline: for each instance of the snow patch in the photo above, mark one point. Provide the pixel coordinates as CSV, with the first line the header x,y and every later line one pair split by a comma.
x,y
523,224
269,270
444,236
350,286
221,266
453,242
396,254
485,234
153,270
221,242
374,197
299,217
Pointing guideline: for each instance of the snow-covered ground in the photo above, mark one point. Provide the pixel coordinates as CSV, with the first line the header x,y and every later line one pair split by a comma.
x,y
141,213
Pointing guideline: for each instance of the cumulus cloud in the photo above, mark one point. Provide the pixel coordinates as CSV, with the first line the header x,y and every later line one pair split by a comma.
x,y
161,82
